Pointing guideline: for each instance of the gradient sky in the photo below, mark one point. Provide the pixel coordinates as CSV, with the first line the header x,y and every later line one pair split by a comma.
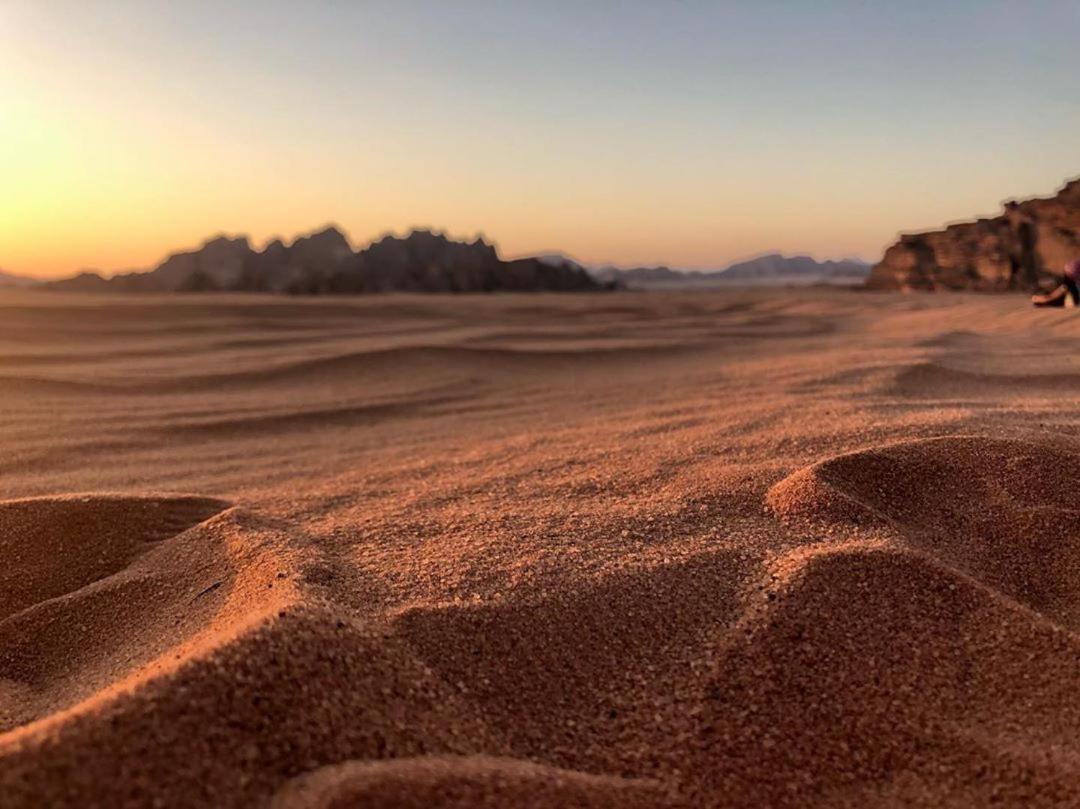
x,y
676,132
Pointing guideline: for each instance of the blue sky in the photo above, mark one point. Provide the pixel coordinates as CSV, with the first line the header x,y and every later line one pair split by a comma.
x,y
680,132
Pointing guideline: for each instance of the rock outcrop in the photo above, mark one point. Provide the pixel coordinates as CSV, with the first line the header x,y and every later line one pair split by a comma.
x,y
325,263
1023,248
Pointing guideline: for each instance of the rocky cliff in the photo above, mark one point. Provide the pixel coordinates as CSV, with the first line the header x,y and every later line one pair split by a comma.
x,y
1021,249
325,263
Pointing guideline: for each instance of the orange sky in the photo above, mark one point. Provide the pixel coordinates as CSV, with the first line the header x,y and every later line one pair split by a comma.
x,y
128,131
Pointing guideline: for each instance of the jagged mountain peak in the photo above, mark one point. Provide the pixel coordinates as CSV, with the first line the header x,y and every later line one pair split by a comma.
x,y
323,261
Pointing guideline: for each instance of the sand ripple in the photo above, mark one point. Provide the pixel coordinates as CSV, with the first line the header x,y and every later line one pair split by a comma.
x,y
739,550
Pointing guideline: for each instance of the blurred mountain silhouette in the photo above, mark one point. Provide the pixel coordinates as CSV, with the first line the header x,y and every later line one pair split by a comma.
x,y
324,262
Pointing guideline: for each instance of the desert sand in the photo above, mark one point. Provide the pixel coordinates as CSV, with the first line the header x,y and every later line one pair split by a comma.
x,y
750,548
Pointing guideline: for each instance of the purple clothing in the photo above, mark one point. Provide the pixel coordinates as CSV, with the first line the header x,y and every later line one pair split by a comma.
x,y
1072,270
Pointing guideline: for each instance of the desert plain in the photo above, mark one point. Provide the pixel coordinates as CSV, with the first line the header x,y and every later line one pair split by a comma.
x,y
788,548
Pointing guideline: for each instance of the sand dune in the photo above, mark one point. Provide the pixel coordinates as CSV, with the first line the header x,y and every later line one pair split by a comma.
x,y
875,676
797,548
999,510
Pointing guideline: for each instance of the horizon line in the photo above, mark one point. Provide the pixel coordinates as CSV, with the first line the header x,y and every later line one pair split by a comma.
x,y
261,246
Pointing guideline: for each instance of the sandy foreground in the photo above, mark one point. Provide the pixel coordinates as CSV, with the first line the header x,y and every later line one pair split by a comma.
x,y
760,548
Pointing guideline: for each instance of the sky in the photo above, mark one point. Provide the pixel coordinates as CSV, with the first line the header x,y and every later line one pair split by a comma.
x,y
663,132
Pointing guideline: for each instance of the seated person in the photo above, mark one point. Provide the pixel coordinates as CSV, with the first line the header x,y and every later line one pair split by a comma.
x,y
1067,291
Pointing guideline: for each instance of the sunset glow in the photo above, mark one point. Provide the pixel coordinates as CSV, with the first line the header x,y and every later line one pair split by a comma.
x,y
682,133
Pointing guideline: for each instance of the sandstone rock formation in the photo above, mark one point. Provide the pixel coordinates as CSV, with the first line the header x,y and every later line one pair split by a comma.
x,y
1021,249
325,263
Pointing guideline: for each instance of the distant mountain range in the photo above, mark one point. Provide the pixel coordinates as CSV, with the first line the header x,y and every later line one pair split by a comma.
x,y
771,269
324,263
8,280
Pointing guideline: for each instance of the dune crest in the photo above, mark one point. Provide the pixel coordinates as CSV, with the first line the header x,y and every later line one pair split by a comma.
x,y
1001,510
86,594
879,676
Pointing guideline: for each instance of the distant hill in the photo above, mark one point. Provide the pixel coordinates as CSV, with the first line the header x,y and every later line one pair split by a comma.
x,y
325,263
773,268
776,266
645,276
7,280
555,259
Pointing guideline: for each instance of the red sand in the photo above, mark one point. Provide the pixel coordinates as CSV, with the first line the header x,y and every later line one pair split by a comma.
x,y
798,548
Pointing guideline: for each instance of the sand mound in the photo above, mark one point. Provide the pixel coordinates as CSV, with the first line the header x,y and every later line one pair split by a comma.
x,y
202,646
875,676
87,596
292,691
462,783
1001,510
933,665
110,629
595,659
53,546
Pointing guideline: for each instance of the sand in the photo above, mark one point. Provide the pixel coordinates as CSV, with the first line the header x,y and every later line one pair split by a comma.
x,y
748,548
